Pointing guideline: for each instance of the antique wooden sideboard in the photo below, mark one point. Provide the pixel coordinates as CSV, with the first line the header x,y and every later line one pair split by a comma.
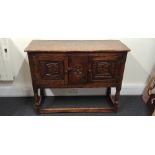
x,y
76,64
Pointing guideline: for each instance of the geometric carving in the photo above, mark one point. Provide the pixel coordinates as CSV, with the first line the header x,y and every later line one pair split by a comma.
x,y
77,70
102,70
102,67
53,70
77,67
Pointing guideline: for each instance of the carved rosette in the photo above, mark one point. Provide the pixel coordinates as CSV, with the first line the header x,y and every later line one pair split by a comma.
x,y
77,70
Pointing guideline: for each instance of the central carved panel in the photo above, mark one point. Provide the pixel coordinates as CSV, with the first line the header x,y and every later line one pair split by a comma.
x,y
77,69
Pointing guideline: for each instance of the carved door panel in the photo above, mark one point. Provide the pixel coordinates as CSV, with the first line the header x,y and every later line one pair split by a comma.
x,y
51,69
106,67
77,69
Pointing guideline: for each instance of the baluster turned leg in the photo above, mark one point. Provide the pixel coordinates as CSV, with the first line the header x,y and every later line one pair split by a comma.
x,y
108,93
116,99
42,92
37,100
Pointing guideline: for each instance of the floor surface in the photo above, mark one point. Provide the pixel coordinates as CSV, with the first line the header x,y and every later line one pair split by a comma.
x,y
23,106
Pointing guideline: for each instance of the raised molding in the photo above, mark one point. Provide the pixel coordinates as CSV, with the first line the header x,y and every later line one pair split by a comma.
x,y
127,89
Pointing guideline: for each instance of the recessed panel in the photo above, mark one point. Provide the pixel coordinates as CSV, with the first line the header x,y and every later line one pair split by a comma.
x,y
50,69
101,70
105,67
53,70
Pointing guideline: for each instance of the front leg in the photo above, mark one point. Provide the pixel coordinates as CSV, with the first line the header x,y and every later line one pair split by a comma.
x,y
42,92
108,93
116,99
42,95
37,100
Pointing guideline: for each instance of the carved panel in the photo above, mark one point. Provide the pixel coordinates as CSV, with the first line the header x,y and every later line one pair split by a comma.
x,y
53,70
77,69
102,70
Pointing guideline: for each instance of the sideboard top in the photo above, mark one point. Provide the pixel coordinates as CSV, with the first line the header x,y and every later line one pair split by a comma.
x,y
76,45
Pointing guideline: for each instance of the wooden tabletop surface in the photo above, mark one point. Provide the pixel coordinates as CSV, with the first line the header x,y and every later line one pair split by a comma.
x,y
76,45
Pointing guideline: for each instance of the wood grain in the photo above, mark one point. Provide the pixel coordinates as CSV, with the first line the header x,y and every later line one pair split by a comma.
x,y
65,110
77,64
76,45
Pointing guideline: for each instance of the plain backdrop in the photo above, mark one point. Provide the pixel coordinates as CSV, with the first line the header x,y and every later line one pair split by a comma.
x,y
80,19
139,65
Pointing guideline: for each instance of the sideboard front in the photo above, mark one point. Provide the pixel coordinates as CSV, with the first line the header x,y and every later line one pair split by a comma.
x,y
77,70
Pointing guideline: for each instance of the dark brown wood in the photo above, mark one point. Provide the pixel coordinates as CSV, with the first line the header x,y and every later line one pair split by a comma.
x,y
108,93
76,64
77,69
116,100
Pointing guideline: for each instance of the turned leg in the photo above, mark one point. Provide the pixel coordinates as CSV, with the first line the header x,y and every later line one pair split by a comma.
x,y
42,92
37,100
116,99
108,93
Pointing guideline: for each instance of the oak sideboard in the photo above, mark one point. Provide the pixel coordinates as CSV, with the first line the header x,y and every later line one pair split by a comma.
x,y
76,64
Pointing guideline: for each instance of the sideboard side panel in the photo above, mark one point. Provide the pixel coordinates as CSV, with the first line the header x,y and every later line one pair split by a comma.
x,y
32,69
